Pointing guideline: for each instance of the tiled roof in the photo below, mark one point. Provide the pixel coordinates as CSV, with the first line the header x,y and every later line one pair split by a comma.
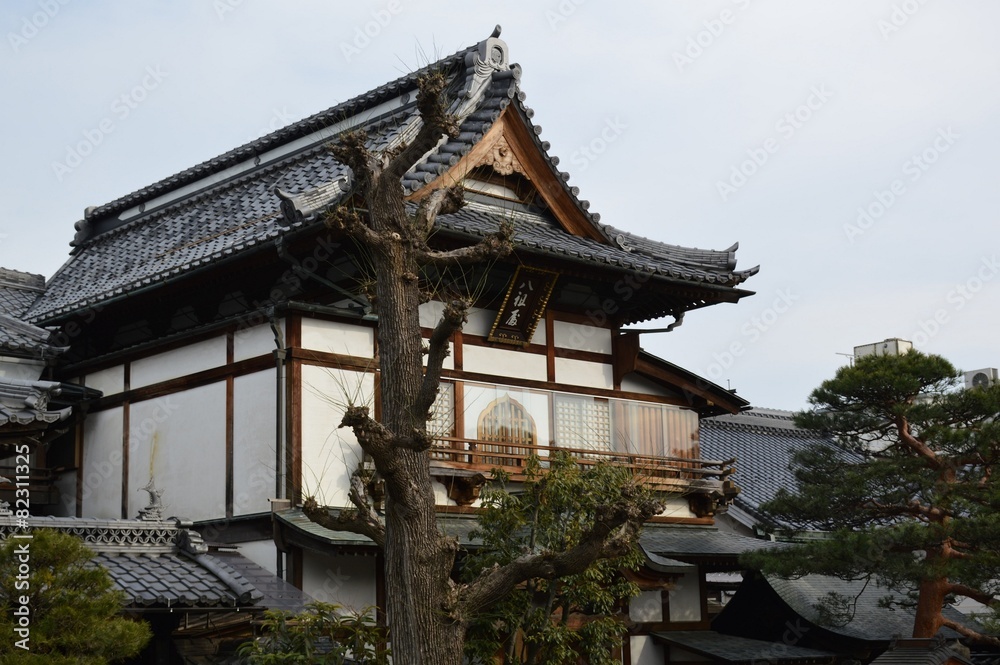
x,y
24,339
678,541
18,290
459,527
870,621
250,196
741,650
154,563
534,233
918,652
763,442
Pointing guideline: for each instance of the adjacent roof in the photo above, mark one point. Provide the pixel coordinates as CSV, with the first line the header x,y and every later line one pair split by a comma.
x,y
763,442
741,650
921,652
683,542
27,402
19,290
297,525
247,198
157,564
870,621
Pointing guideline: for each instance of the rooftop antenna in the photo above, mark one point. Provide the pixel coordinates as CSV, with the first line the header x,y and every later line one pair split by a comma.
x,y
849,355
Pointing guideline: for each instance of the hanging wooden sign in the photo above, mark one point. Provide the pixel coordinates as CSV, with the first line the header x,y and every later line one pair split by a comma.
x,y
523,306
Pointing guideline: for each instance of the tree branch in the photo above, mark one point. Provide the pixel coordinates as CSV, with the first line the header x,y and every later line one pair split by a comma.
x,y
494,246
454,316
970,592
436,123
615,531
361,520
915,444
443,201
348,221
965,631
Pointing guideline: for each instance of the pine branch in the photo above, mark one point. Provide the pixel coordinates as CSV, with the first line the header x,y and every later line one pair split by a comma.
x,y
965,631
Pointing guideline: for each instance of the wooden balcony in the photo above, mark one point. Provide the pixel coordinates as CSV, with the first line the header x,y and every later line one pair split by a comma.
x,y
679,475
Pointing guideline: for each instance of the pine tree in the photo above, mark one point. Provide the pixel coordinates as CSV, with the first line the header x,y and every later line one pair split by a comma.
x,y
920,508
73,611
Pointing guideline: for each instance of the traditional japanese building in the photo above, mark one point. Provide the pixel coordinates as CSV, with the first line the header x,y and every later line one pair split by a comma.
x,y
226,329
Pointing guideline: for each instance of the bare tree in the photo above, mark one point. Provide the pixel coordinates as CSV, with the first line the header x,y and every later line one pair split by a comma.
x,y
428,611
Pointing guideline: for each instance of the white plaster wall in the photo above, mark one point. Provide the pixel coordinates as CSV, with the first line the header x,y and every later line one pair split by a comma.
x,y
20,369
637,384
480,321
347,580
685,598
254,341
102,464
676,507
581,337
179,362
330,453
430,313
66,484
261,552
646,607
253,442
110,381
180,439
645,651
335,337
501,362
584,373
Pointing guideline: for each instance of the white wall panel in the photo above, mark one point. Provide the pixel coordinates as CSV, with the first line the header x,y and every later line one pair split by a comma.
x,y
102,464
261,552
584,373
66,484
480,321
638,384
109,381
254,341
336,337
179,362
253,442
685,598
501,362
330,453
646,607
346,580
181,440
581,337
645,651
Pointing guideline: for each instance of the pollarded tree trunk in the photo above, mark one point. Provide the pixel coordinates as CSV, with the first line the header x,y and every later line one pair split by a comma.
x,y
427,611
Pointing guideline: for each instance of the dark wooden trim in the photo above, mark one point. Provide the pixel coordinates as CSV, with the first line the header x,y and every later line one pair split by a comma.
x,y
78,457
180,384
126,435
240,529
459,404
476,340
328,359
550,347
695,521
475,377
293,389
459,341
230,426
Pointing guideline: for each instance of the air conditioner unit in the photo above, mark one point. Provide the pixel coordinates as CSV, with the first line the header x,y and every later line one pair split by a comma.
x,y
981,378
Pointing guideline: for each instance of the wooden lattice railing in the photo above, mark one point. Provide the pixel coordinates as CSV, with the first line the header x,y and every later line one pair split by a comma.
x,y
677,474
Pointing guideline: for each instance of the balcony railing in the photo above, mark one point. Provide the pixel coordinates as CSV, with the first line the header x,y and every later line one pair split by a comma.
x,y
664,473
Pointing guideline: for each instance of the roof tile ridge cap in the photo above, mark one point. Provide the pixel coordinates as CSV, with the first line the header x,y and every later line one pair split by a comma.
x,y
242,588
277,137
617,231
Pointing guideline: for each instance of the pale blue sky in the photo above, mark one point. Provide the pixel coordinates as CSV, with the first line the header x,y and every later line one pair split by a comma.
x,y
835,104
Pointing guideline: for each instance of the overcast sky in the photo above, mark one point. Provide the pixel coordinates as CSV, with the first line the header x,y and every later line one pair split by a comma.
x,y
850,147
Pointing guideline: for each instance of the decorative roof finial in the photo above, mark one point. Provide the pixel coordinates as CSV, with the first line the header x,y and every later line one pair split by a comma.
x,y
489,57
154,511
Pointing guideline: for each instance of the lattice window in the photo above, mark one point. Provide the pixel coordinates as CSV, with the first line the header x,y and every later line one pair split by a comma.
x,y
442,420
582,422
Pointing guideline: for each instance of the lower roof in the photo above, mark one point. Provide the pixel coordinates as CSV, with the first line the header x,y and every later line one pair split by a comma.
x,y
719,648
